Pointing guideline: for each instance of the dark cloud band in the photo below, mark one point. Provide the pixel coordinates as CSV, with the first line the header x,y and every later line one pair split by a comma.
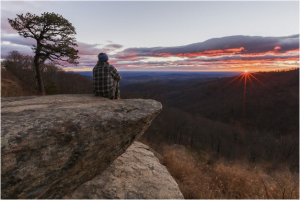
x,y
239,44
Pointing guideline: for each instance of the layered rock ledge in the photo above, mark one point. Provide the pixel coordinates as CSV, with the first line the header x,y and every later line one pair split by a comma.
x,y
51,145
136,174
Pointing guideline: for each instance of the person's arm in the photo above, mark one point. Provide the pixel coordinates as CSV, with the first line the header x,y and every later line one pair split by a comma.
x,y
115,73
94,83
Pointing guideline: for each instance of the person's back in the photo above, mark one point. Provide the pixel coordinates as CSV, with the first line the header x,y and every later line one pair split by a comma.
x,y
106,79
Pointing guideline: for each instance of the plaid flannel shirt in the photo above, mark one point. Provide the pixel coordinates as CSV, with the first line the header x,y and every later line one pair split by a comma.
x,y
104,75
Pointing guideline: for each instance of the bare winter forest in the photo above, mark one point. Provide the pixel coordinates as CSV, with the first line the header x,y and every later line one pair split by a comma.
x,y
219,138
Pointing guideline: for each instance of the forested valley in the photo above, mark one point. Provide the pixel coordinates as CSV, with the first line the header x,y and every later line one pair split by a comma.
x,y
225,130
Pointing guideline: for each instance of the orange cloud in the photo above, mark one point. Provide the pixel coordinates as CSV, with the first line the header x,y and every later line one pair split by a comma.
x,y
219,52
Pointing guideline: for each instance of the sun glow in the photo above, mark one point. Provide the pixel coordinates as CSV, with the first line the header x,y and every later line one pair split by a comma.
x,y
242,78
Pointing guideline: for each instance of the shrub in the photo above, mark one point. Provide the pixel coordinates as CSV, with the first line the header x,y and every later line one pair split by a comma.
x,y
199,180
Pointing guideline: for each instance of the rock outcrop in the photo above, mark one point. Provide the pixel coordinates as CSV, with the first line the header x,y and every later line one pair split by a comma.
x,y
136,174
53,144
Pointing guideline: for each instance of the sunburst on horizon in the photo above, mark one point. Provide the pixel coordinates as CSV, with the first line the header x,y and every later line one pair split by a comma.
x,y
243,77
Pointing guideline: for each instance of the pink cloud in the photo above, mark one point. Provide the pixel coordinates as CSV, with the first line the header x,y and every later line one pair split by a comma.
x,y
88,49
111,48
18,40
5,27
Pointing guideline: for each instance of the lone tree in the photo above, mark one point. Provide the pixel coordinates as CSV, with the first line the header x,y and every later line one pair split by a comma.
x,y
54,37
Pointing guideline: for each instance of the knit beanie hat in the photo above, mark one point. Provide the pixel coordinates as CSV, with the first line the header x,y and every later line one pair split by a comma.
x,y
102,57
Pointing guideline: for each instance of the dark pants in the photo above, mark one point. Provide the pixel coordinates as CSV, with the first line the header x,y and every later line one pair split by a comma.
x,y
115,92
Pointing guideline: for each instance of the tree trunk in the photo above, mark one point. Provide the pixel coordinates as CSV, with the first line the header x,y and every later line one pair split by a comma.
x,y
37,69
193,135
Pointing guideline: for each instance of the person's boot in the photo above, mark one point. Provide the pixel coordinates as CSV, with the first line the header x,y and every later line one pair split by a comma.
x,y
111,98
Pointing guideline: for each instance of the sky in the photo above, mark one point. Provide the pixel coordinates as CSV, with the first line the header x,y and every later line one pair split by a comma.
x,y
171,35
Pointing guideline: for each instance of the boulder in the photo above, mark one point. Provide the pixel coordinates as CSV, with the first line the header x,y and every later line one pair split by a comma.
x,y
50,145
136,174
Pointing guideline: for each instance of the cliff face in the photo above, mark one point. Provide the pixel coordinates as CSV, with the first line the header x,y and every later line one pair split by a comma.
x,y
53,144
136,174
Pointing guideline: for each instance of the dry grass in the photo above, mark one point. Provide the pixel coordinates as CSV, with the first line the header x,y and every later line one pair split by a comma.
x,y
13,87
198,180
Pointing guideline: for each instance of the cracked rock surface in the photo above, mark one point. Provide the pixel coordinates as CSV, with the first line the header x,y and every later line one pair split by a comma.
x,y
50,145
136,174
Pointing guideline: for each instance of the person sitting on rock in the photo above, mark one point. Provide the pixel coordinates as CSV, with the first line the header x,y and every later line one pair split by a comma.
x,y
106,79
